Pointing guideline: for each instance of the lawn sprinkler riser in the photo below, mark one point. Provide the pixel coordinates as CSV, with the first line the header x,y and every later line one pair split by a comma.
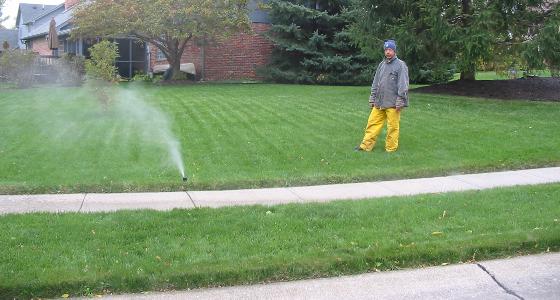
x,y
185,179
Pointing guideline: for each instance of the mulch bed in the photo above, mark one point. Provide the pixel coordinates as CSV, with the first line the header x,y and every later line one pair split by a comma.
x,y
177,82
536,88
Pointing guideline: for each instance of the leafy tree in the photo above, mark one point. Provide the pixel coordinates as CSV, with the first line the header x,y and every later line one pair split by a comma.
x,y
311,45
439,37
1,18
167,24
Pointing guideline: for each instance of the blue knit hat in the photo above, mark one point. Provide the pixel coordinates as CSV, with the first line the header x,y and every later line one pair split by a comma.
x,y
390,44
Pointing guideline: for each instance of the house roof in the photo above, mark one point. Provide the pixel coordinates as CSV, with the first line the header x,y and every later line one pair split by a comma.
x,y
256,14
42,28
9,35
29,12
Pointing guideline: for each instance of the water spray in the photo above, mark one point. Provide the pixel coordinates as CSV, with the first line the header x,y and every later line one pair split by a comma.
x,y
158,130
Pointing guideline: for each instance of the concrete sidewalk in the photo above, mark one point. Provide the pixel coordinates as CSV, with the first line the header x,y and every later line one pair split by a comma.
x,y
528,277
272,196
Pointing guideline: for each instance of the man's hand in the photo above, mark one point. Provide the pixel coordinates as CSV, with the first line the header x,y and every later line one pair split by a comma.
x,y
399,105
372,101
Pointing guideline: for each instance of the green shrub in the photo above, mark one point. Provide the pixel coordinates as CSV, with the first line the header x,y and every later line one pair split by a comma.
x,y
17,67
141,77
70,69
101,66
101,71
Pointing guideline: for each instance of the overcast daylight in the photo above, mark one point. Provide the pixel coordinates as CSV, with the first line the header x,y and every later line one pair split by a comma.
x,y
11,7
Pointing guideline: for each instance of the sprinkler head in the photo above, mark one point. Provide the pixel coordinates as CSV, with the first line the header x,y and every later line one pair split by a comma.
x,y
185,178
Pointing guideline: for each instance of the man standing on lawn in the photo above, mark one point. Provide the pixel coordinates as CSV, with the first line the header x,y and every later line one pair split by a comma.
x,y
389,95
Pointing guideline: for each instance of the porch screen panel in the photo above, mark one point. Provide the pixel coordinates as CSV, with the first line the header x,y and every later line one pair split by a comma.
x,y
132,57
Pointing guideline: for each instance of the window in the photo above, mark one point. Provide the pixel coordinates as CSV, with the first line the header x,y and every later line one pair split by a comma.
x,y
160,55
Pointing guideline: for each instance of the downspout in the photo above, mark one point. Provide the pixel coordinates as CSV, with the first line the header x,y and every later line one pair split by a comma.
x,y
148,58
130,58
203,54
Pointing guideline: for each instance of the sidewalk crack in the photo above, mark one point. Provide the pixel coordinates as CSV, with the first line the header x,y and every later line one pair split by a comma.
x,y
294,193
82,205
499,283
192,201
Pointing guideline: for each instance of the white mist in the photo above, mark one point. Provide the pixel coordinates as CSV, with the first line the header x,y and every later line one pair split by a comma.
x,y
153,124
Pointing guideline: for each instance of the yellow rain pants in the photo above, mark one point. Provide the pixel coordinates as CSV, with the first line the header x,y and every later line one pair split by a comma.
x,y
375,123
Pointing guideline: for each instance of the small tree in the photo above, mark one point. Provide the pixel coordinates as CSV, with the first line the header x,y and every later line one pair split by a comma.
x,y
5,45
17,66
101,71
101,66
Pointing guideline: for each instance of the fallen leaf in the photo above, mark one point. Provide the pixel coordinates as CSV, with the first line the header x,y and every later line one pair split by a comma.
x,y
437,233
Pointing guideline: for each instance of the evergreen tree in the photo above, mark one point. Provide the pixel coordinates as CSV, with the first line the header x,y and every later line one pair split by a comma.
x,y
312,46
440,37
543,50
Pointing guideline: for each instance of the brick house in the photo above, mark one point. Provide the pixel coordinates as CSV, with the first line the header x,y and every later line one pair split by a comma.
x,y
236,58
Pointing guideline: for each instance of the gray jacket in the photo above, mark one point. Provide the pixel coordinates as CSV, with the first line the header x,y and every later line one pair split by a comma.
x,y
390,84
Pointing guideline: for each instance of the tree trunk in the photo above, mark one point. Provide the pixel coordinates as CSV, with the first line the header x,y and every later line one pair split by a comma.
x,y
173,59
469,73
175,66
466,9
176,49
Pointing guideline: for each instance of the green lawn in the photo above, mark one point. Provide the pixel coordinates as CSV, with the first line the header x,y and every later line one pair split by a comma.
x,y
254,135
48,255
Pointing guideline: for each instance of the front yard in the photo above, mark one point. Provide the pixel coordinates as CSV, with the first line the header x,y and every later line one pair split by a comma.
x,y
254,135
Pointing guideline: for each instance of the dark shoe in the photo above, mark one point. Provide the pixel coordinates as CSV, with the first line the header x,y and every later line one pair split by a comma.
x,y
358,148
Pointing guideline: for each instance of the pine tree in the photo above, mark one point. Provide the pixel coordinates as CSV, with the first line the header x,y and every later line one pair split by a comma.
x,y
440,37
312,46
543,50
